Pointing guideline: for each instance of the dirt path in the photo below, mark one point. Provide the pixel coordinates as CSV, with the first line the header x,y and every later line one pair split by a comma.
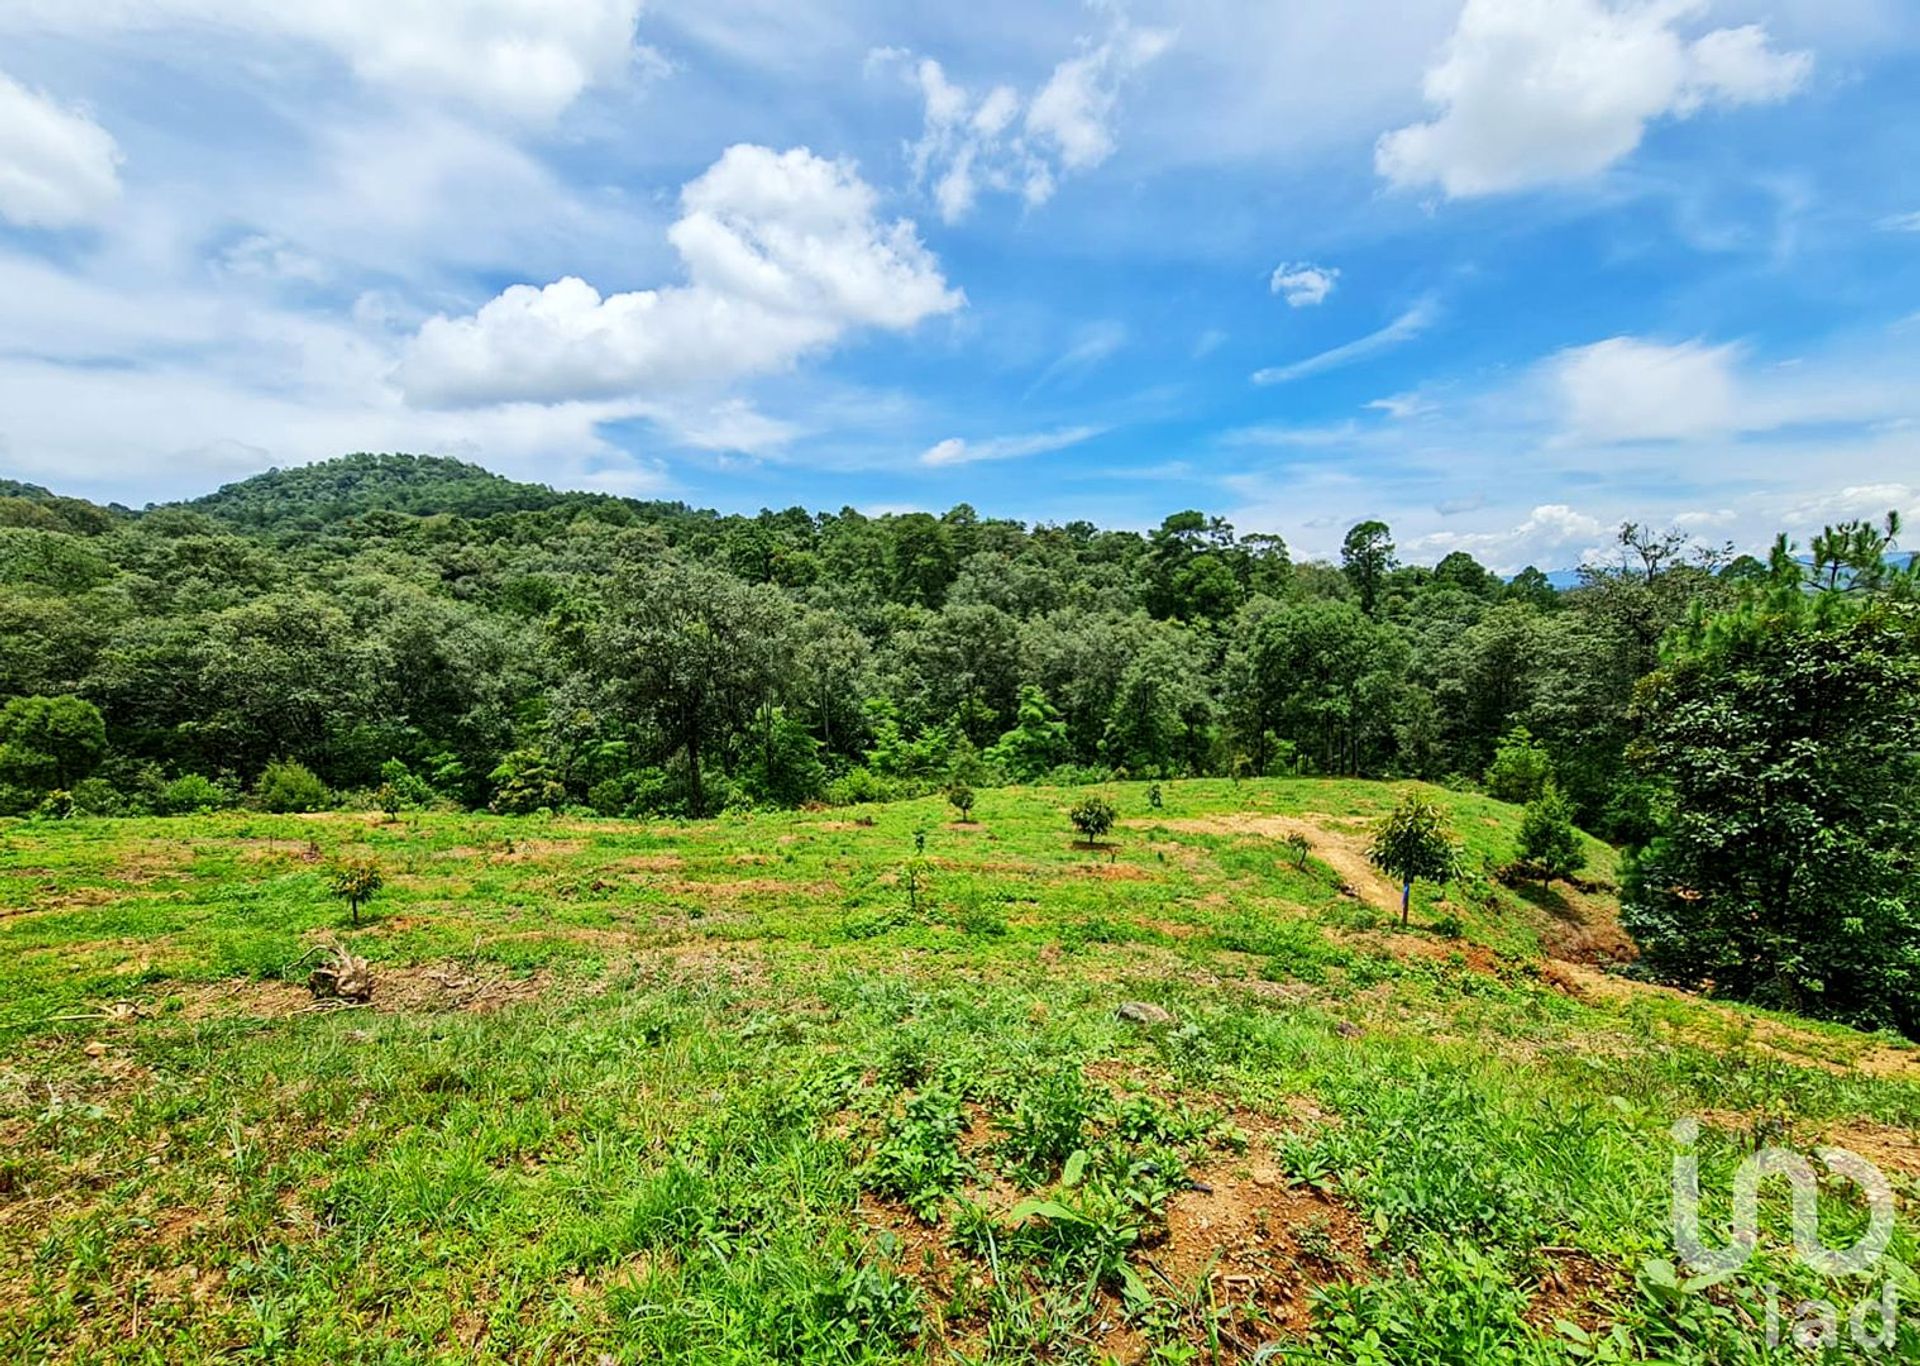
x,y
1569,943
1343,851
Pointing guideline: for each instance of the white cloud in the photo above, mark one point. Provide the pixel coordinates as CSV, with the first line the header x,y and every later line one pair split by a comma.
x,y
957,451
1075,108
1002,142
1553,535
1900,222
1628,389
1304,284
1092,346
58,168
1402,407
526,59
1537,91
784,256
263,256
1404,328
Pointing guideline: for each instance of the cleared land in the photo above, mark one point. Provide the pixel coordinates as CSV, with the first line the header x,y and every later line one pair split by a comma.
x,y
729,1091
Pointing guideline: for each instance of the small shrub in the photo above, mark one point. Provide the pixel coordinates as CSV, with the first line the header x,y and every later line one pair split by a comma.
x,y
289,786
918,1160
1092,817
98,797
960,797
1299,846
192,794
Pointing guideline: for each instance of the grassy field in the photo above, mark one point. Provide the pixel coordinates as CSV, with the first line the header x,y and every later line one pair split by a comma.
x,y
786,1088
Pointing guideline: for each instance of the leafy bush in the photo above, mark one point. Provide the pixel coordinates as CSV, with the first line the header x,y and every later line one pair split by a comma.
x,y
191,794
288,786
960,798
98,797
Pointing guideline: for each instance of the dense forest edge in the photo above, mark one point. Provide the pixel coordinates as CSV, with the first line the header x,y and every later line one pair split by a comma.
x,y
399,631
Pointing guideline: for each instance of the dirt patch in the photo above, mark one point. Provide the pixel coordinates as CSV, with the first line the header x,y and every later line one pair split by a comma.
x,y
1574,1287
397,990
749,886
1116,872
1259,1245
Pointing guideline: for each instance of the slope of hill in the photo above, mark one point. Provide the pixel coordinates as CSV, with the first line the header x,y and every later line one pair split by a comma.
x,y
310,497
791,1087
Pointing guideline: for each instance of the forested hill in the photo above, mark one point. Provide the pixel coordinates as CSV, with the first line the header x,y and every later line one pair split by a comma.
x,y
509,643
418,631
313,497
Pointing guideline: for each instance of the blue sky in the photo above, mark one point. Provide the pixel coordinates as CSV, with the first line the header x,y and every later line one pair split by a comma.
x,y
1503,272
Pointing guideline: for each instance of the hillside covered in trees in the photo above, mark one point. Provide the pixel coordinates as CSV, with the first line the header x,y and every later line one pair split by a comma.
x,y
406,630
514,646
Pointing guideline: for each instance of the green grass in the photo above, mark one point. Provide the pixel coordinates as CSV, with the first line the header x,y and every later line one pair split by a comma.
x,y
717,1092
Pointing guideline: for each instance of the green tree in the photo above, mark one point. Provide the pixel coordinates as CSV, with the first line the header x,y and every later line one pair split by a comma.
x,y
1411,843
1786,870
1036,744
49,743
1548,839
961,797
1367,557
694,652
1521,768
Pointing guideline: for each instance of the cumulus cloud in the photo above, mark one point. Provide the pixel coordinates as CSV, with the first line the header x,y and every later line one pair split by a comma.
x,y
527,59
958,451
999,140
1553,534
1536,91
784,255
1404,328
1630,389
1303,284
58,168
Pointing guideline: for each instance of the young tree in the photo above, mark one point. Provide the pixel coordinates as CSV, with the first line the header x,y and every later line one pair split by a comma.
x,y
1521,768
1412,843
1548,839
1036,744
960,798
355,881
1093,817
